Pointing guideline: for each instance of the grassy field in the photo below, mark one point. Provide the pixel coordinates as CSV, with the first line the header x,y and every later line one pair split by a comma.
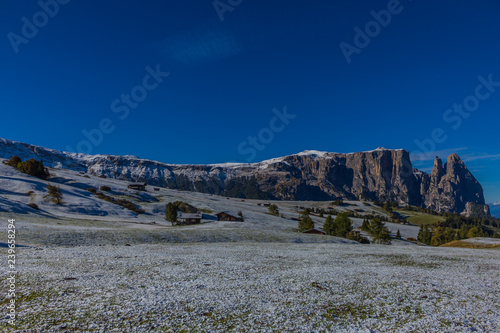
x,y
470,245
420,218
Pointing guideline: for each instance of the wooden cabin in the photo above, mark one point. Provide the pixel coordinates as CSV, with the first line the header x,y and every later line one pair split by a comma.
x,y
188,218
314,231
137,186
228,216
102,176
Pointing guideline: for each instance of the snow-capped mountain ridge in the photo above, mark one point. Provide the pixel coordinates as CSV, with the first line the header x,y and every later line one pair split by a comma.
x,y
381,174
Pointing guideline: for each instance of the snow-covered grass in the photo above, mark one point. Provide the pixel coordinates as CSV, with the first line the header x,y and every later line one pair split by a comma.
x,y
264,287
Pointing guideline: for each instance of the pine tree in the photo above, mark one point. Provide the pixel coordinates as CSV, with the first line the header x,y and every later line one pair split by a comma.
x,y
171,214
343,225
273,210
424,235
365,226
398,235
54,192
380,234
329,226
306,223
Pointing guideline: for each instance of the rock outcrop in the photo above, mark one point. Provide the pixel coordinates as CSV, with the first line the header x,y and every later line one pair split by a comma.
x,y
381,174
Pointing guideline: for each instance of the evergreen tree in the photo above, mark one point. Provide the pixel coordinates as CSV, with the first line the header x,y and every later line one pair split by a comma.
x,y
329,226
398,235
273,210
54,192
388,207
171,214
306,223
343,225
380,234
365,226
424,234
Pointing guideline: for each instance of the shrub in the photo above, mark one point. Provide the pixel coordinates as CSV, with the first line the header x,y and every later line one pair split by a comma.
x,y
105,188
34,206
31,167
411,239
92,190
356,236
14,161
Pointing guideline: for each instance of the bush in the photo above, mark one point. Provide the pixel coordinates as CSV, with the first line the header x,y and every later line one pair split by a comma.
x,y
356,236
105,188
34,206
31,167
14,161
120,202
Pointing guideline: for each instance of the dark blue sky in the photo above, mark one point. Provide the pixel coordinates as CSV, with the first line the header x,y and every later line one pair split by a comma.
x,y
82,68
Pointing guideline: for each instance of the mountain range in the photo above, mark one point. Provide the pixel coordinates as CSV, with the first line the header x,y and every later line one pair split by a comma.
x,y
381,174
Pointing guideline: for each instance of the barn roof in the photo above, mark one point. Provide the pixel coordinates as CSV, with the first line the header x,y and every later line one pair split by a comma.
x,y
314,230
181,215
228,213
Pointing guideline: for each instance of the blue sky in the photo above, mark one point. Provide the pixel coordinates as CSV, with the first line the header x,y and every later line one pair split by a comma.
x,y
89,67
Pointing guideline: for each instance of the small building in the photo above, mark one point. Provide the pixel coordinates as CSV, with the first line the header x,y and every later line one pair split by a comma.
x,y
137,186
228,216
188,218
156,188
102,176
314,231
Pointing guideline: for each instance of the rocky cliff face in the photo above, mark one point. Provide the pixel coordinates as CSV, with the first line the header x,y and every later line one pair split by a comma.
x,y
381,174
